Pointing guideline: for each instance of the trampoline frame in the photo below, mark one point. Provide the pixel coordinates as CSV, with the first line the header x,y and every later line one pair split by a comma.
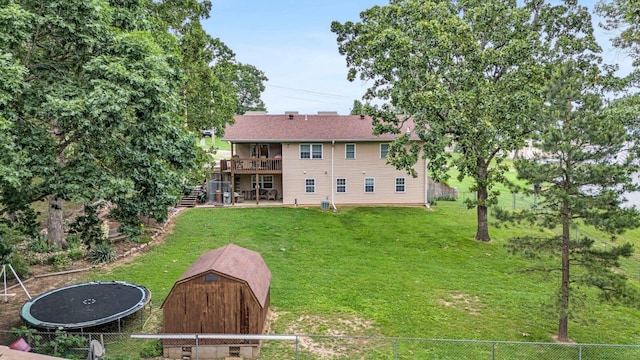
x,y
25,312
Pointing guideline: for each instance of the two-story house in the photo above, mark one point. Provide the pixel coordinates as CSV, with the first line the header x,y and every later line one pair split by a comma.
x,y
310,159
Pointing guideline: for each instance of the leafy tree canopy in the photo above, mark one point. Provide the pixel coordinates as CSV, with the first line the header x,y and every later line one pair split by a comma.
x,y
467,72
92,110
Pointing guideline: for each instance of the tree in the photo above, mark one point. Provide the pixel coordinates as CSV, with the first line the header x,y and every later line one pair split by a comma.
x,y
249,83
357,108
97,117
466,72
215,85
585,165
623,16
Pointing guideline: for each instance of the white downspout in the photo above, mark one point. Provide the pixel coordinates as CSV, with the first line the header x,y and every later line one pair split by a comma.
x,y
333,150
426,184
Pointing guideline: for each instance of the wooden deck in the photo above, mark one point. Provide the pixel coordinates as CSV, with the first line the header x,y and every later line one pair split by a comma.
x,y
252,166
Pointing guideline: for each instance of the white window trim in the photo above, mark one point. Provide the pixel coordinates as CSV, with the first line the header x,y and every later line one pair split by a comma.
x,y
314,186
346,152
365,185
384,157
311,145
345,186
261,181
404,185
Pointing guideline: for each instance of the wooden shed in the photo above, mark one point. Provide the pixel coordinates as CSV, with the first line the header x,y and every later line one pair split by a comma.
x,y
226,291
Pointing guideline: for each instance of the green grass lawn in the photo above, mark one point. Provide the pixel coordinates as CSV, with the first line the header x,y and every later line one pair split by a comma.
x,y
219,144
403,272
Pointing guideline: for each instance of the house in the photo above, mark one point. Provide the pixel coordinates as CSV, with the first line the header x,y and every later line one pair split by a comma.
x,y
225,291
311,159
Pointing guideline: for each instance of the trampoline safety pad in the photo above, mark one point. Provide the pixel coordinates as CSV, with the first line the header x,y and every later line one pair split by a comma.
x,y
85,305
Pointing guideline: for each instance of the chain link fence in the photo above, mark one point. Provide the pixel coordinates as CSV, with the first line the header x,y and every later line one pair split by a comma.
x,y
305,347
512,201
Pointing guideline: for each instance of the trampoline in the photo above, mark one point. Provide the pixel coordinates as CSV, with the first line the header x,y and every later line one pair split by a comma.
x,y
85,305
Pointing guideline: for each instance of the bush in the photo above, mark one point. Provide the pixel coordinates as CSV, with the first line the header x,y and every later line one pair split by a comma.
x,y
74,241
151,349
145,239
59,261
76,254
38,244
102,254
20,265
61,344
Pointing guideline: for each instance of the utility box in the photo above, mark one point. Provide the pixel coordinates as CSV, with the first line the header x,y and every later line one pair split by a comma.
x,y
324,205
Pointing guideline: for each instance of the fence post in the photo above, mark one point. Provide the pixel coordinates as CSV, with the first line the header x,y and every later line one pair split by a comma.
x,y
579,352
197,348
90,348
493,351
296,347
395,349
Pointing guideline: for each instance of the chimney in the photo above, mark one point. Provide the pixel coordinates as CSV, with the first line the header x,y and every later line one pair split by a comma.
x,y
291,114
361,116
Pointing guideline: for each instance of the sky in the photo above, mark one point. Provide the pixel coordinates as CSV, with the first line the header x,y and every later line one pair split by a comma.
x,y
291,42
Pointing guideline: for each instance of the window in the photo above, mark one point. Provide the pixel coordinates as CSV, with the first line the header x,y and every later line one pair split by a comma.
x,y
341,185
211,278
369,185
400,184
259,150
310,151
384,151
350,151
266,181
309,186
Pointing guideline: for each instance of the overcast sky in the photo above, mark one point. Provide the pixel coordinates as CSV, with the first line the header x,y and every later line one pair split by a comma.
x,y
292,43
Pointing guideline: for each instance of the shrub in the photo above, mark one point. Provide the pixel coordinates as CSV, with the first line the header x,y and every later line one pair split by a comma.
x,y
38,244
61,344
102,254
20,265
151,349
145,239
59,261
74,241
8,238
76,254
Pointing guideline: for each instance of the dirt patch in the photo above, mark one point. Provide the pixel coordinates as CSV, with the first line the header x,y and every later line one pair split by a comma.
x,y
333,337
463,301
45,277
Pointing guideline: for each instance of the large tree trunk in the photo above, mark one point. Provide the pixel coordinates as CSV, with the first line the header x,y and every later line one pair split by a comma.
x,y
563,324
482,231
55,223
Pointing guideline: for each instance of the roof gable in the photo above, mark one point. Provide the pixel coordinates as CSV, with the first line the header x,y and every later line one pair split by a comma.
x,y
237,262
294,128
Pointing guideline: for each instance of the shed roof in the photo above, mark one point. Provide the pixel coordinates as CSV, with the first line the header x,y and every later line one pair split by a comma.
x,y
237,262
295,127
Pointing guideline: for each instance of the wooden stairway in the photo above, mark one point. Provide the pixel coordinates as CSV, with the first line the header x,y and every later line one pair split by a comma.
x,y
191,199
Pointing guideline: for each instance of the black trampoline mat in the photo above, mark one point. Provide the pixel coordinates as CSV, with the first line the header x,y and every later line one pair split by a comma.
x,y
86,304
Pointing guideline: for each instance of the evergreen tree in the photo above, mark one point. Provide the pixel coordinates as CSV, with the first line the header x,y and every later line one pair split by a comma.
x,y
584,165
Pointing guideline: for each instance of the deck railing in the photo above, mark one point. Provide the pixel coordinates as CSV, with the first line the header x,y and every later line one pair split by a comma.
x,y
251,165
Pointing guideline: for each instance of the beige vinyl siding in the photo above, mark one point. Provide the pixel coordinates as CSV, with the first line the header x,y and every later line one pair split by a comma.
x,y
367,164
